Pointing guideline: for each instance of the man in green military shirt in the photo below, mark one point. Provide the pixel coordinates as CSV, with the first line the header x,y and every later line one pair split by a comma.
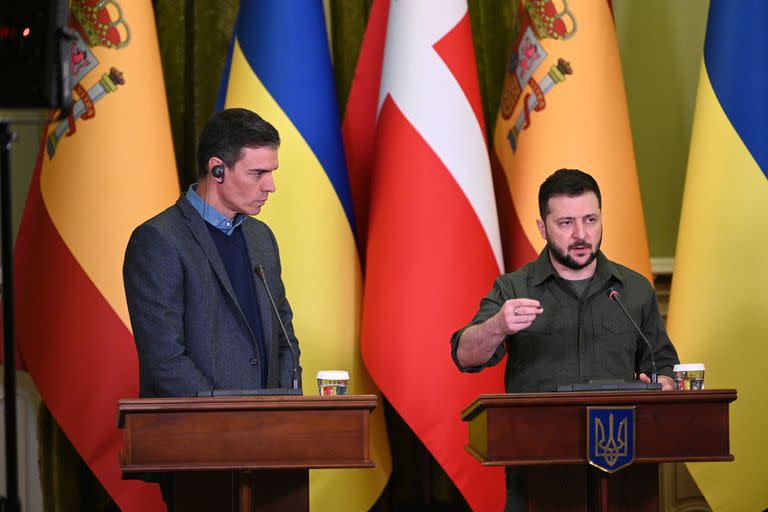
x,y
554,318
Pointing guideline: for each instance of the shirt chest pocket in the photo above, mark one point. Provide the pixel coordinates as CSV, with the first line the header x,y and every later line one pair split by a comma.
x,y
616,344
546,325
546,337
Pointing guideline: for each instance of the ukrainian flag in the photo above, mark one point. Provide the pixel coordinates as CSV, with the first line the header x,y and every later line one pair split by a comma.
x,y
279,66
718,313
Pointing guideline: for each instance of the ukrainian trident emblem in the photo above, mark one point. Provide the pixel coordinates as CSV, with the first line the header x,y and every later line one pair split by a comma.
x,y
610,437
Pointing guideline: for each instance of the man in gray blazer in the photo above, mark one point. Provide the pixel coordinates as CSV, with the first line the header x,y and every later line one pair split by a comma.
x,y
200,311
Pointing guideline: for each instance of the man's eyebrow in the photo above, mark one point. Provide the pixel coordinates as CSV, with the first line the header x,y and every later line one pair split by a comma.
x,y
571,217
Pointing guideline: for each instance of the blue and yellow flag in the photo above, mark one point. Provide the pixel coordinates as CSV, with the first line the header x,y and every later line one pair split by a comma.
x,y
718,314
279,66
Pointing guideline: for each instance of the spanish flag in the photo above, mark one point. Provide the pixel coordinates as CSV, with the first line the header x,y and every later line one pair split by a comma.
x,y
718,313
416,145
101,171
563,105
280,67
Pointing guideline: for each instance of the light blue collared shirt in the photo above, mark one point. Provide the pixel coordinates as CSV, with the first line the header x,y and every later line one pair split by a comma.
x,y
210,214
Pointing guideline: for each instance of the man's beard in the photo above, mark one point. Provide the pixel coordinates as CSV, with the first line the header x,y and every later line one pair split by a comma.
x,y
565,259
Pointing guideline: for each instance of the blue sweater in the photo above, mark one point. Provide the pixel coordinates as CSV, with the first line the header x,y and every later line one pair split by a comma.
x,y
234,255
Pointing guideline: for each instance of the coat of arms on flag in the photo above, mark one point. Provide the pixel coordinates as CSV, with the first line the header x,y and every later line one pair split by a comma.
x,y
97,23
540,19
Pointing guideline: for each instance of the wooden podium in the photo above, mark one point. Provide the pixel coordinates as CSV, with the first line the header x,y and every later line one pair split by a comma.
x,y
243,453
547,433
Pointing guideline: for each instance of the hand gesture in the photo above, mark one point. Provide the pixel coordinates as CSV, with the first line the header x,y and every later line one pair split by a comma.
x,y
518,314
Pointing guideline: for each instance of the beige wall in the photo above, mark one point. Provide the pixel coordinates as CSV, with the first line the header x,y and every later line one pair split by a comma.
x,y
27,127
661,43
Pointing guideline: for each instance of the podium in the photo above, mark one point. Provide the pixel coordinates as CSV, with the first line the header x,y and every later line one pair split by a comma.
x,y
547,434
243,453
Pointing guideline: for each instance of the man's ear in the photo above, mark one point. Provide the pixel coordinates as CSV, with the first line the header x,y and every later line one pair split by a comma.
x,y
216,168
214,160
542,228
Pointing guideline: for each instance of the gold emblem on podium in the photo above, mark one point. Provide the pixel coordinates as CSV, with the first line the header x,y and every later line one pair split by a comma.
x,y
610,437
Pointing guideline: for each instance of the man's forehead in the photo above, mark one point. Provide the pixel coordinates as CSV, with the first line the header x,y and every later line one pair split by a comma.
x,y
579,205
263,157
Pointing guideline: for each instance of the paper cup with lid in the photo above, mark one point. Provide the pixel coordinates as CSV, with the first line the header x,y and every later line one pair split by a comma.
x,y
689,377
332,382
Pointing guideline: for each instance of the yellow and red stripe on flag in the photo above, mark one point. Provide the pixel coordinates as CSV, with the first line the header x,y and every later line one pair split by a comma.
x,y
563,105
100,173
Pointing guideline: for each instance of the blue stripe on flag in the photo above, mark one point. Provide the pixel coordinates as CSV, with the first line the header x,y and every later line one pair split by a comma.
x,y
286,45
736,57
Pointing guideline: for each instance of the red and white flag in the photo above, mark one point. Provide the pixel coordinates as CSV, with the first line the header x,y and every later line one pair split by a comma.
x,y
420,172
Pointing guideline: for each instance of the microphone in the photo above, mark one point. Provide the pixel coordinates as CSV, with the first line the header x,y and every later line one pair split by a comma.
x,y
614,296
260,272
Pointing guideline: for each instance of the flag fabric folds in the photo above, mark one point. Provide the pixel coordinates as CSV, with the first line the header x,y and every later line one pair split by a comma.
x,y
280,67
563,106
718,314
100,172
420,171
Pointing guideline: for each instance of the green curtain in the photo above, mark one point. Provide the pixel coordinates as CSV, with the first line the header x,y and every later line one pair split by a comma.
x,y
492,22
67,483
194,39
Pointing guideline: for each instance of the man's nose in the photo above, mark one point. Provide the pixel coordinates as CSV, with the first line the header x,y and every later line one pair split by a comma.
x,y
269,183
578,229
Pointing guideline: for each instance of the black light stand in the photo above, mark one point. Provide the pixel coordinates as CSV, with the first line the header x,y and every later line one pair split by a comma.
x,y
34,56
11,502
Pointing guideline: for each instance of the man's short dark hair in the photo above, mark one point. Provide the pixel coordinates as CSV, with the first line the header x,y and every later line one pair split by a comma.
x,y
566,182
228,132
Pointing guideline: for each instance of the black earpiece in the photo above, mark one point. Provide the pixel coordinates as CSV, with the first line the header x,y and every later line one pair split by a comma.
x,y
217,171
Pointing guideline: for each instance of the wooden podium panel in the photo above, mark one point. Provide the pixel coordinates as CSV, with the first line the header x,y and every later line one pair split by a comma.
x,y
547,432
243,453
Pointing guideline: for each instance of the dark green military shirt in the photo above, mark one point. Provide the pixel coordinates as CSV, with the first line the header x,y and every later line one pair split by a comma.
x,y
578,337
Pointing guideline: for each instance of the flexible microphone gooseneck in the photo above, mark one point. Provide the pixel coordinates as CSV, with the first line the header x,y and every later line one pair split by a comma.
x,y
260,272
614,296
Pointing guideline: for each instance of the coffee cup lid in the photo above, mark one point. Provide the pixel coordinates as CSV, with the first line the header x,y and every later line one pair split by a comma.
x,y
333,375
696,367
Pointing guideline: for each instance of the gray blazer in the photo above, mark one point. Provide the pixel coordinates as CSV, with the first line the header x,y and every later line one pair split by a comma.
x,y
190,332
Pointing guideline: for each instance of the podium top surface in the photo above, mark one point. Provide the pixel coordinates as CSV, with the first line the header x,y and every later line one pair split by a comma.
x,y
241,403
589,398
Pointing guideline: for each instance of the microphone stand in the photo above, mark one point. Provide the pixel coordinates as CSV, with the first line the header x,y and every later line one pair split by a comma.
x,y
614,296
294,372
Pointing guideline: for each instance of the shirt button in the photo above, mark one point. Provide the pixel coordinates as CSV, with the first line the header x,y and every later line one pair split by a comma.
x,y
254,361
